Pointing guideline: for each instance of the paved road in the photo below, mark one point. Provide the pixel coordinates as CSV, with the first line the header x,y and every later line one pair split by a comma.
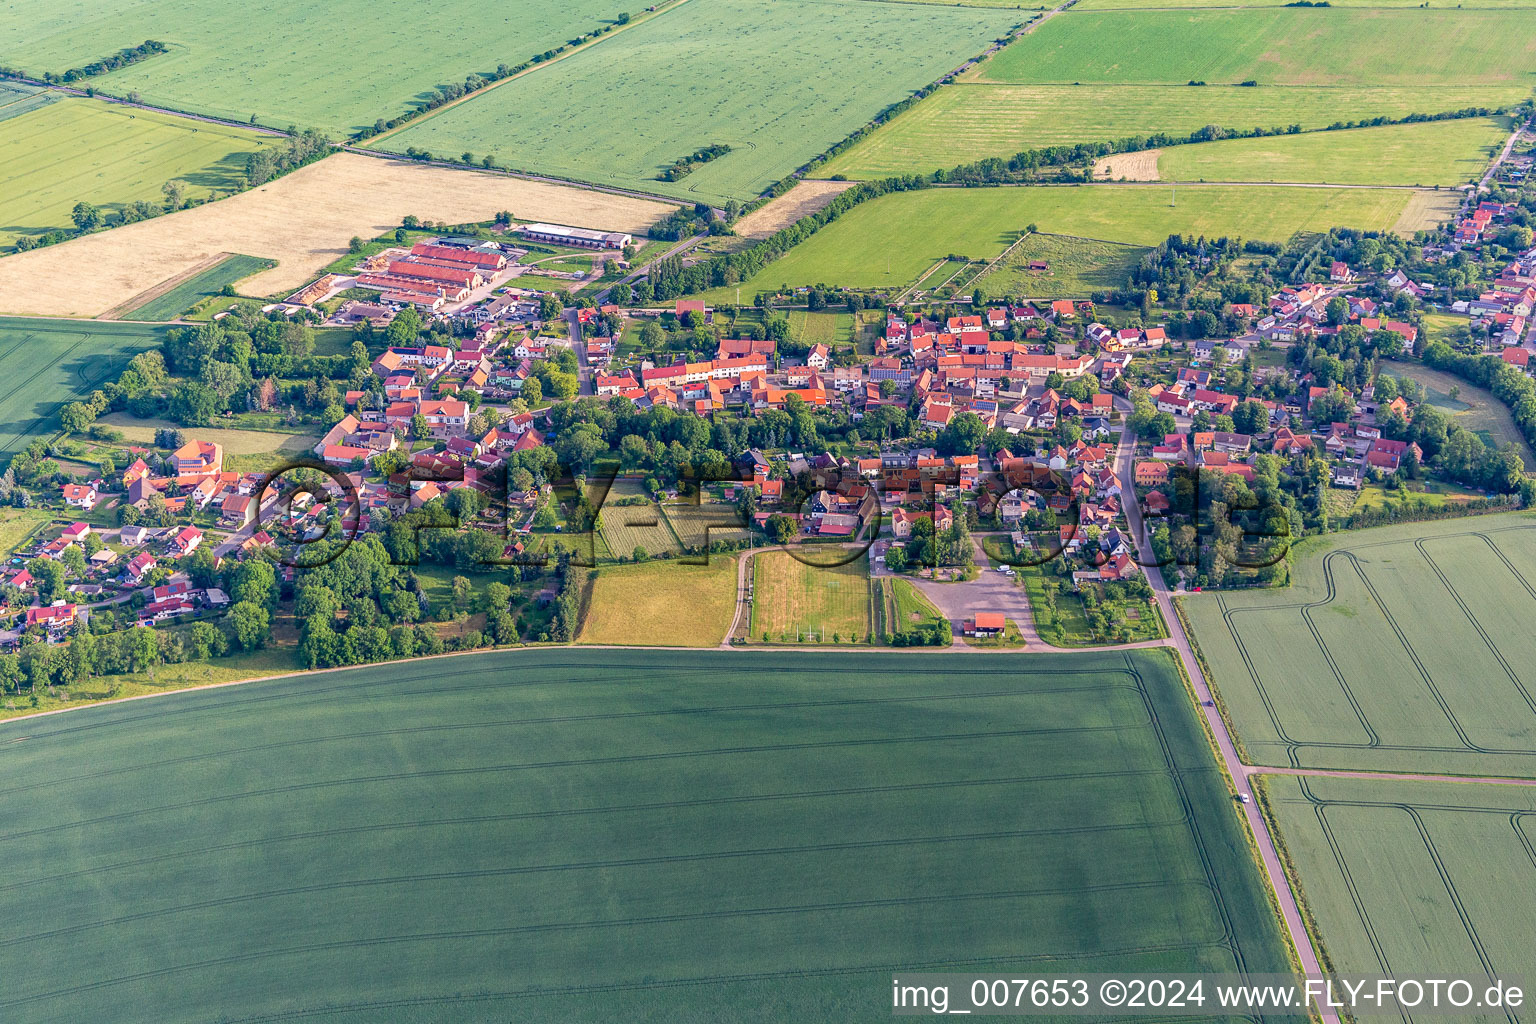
x,y
1493,168
584,383
1240,773
990,591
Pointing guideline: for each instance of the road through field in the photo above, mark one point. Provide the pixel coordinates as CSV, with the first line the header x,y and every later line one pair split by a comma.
x,y
1258,825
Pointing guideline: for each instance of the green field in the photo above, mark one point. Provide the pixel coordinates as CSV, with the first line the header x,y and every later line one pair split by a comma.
x,y
1076,268
210,282
1414,878
570,835
908,232
329,64
51,362
966,122
1128,5
831,329
16,98
699,526
793,601
1277,46
644,527
1402,648
108,155
817,70
1433,153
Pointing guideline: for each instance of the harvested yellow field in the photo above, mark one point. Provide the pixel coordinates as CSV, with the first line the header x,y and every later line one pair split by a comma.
x,y
303,221
1140,166
1428,209
803,200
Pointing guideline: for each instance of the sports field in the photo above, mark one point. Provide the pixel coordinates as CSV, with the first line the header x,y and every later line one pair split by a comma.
x,y
1432,153
51,362
328,64
1401,648
661,604
303,220
173,303
887,243
569,835
817,70
795,601
1075,268
966,122
1275,46
81,150
1414,878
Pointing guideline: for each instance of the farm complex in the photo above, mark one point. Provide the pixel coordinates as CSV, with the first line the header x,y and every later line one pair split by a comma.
x,y
723,510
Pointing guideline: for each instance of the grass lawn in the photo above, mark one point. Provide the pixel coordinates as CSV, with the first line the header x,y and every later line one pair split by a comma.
x,y
1077,267
793,601
326,75
1444,326
51,362
245,450
1068,625
17,524
818,69
569,835
968,121
190,292
887,243
902,606
1276,46
1431,153
1417,875
664,603
1473,407
84,150
830,329
1401,648
1426,494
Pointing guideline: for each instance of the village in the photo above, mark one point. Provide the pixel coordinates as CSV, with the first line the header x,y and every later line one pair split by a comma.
x,y
956,442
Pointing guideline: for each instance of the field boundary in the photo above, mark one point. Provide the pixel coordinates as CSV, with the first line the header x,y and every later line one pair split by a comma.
x,y
150,294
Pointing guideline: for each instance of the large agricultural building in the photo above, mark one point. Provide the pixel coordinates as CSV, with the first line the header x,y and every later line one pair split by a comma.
x,y
434,273
580,237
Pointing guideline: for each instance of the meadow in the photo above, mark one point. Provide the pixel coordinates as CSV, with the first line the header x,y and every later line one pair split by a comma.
x,y
699,526
966,122
1276,46
631,528
667,603
1473,407
1076,267
617,836
1413,877
1431,153
83,150
810,72
328,64
178,300
887,243
1401,648
51,362
794,601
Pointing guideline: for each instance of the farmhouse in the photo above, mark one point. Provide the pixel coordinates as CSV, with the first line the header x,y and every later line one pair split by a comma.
x,y
985,624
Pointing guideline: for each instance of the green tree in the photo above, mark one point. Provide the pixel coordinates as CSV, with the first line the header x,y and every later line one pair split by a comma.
x,y
85,216
250,625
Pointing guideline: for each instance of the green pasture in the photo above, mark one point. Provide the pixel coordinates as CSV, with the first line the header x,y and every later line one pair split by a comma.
x,y
1413,878
887,243
1430,153
777,82
1275,46
1401,648
51,362
210,282
335,65
1075,268
108,155
602,835
1474,408
967,121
